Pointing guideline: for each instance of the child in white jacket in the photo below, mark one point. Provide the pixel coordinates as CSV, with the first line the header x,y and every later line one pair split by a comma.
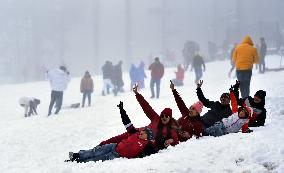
x,y
30,105
233,123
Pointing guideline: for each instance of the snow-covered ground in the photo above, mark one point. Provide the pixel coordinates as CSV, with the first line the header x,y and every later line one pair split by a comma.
x,y
41,143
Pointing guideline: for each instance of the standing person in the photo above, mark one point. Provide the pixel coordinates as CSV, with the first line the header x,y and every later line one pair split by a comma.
x,y
178,81
157,72
87,88
107,70
231,60
245,55
190,122
58,79
217,109
141,75
133,74
197,64
30,105
137,143
117,80
262,54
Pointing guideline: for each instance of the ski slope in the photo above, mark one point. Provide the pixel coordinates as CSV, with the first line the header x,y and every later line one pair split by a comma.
x,y
41,144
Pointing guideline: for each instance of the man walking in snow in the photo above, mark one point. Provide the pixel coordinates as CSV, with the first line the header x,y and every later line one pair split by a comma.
x,y
59,79
245,55
262,54
157,72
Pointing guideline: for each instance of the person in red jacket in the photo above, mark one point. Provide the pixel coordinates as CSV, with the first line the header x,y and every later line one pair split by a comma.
x,y
164,126
137,143
190,122
157,72
178,81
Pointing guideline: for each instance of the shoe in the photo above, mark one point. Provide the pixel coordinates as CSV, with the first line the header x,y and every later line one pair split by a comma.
x,y
152,97
49,114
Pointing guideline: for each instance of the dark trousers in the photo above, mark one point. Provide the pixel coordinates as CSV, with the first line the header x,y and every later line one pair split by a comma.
x,y
88,95
244,76
198,74
56,97
154,82
261,65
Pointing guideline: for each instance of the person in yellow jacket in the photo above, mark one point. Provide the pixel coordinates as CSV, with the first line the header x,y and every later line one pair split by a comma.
x,y
244,56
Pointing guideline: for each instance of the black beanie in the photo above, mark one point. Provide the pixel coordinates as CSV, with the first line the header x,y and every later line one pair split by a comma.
x,y
150,135
261,94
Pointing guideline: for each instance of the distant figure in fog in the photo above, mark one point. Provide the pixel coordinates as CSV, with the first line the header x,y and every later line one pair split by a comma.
x,y
178,81
107,70
141,74
262,54
30,105
133,74
87,88
157,72
197,64
117,80
59,78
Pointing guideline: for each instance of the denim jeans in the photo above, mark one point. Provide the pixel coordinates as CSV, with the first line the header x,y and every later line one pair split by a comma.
x,y
218,129
198,74
156,82
88,95
244,76
104,152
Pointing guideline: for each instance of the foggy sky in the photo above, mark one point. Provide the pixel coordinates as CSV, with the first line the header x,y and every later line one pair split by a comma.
x,y
36,35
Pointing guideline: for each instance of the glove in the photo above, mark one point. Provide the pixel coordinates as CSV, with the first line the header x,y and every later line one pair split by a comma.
x,y
249,131
237,85
120,105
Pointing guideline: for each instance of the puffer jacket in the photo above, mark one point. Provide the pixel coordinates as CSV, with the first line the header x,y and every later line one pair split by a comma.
x,y
245,55
87,84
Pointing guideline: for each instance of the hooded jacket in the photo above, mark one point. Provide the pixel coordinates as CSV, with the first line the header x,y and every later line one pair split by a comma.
x,y
192,125
245,55
58,79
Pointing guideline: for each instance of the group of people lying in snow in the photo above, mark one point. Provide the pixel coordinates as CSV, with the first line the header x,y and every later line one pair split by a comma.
x,y
164,130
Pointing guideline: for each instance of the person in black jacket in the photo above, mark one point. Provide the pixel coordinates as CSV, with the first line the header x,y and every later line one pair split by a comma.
x,y
218,109
257,103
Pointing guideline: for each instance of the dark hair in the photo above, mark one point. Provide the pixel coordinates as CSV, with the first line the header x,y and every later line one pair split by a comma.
x,y
160,139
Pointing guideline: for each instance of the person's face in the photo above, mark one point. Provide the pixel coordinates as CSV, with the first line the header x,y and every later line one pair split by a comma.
x,y
256,99
242,113
224,99
192,112
165,118
143,135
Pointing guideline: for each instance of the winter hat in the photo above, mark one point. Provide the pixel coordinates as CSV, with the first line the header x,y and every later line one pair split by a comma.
x,y
248,110
261,94
226,95
167,111
150,134
198,106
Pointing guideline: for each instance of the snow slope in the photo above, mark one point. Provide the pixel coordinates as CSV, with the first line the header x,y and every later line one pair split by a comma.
x,y
41,143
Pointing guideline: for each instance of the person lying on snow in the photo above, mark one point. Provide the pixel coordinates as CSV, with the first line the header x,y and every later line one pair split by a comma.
x,y
233,123
164,126
217,109
136,144
190,122
257,103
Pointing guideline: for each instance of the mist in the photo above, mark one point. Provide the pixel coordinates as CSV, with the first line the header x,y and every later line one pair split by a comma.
x,y
82,34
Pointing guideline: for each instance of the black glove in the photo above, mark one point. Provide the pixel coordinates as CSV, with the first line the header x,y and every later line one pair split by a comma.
x,y
120,105
249,130
237,85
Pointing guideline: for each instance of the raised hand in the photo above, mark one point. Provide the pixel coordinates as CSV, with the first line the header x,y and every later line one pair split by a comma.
x,y
135,88
199,83
237,85
120,105
172,85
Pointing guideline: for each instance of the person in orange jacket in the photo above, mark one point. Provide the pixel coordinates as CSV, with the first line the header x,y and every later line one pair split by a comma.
x,y
87,88
244,56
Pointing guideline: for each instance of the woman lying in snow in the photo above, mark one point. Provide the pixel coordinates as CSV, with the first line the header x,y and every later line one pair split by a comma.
x,y
136,144
164,126
233,123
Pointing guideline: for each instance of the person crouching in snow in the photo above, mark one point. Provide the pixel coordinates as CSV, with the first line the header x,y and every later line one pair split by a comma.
x,y
30,105
137,143
233,123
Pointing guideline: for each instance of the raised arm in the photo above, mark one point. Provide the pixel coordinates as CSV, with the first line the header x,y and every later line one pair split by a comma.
x,y
125,120
180,103
234,103
148,110
207,103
